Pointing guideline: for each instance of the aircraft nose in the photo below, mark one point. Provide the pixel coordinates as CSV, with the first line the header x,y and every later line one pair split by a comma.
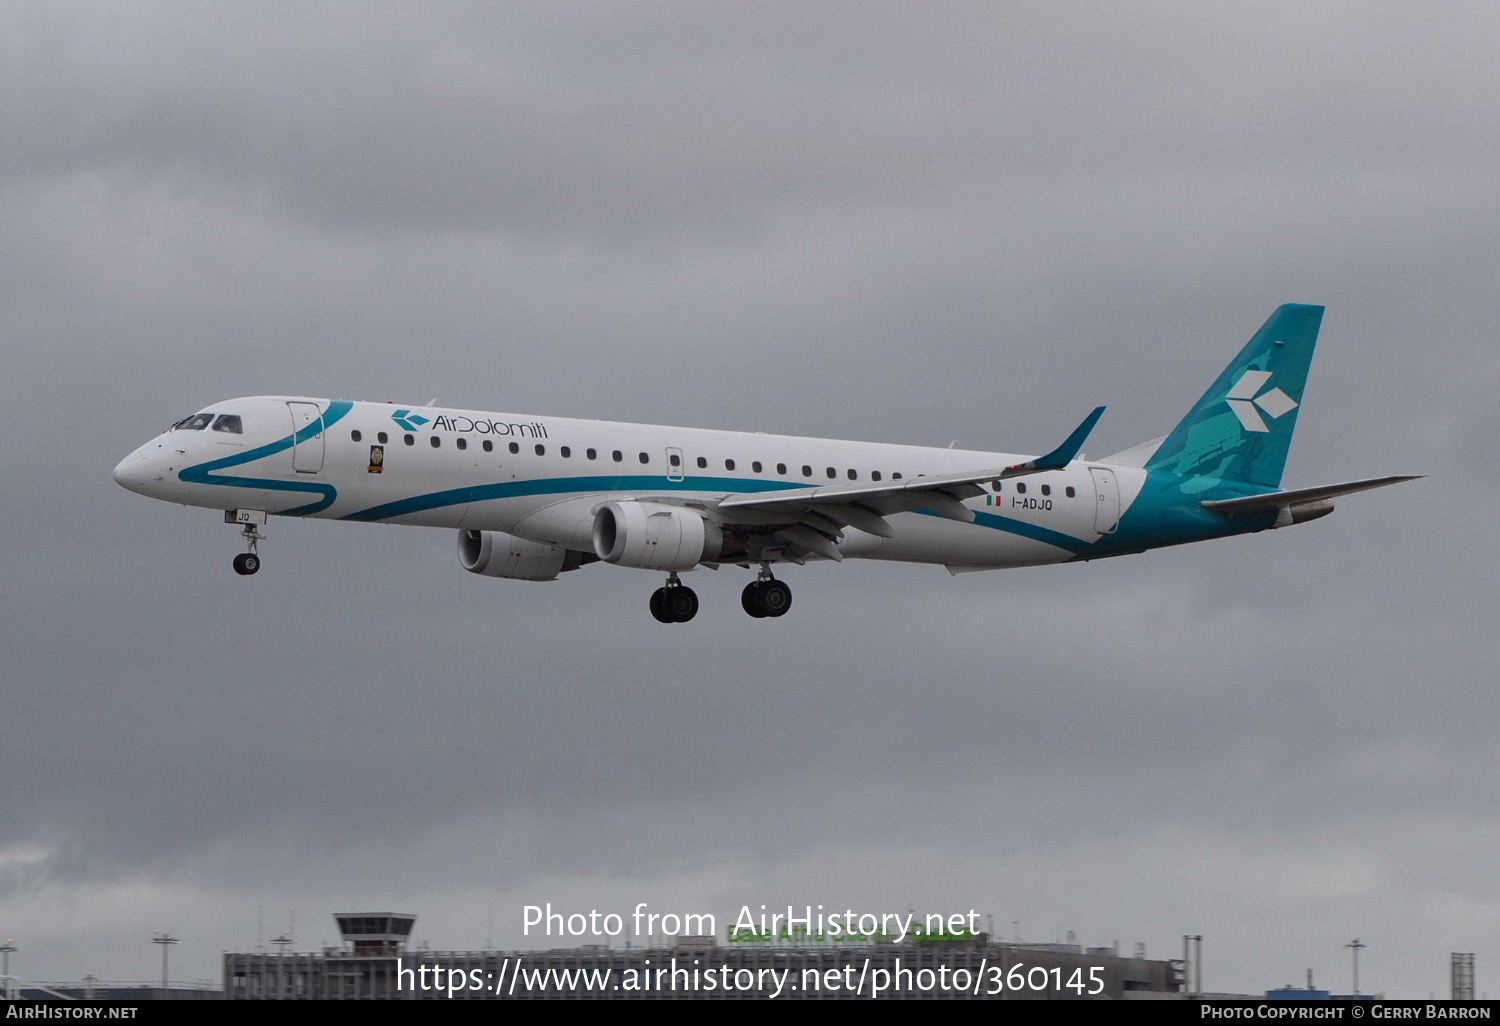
x,y
135,472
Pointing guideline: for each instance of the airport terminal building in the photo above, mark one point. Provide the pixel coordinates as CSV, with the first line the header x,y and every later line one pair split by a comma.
x,y
374,964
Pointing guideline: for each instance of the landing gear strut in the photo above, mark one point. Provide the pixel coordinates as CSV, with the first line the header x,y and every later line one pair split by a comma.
x,y
674,603
766,596
246,563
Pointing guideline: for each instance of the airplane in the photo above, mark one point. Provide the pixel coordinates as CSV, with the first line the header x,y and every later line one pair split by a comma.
x,y
534,497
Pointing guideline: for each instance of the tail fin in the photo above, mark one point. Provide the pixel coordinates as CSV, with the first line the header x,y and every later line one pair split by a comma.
x,y
1242,428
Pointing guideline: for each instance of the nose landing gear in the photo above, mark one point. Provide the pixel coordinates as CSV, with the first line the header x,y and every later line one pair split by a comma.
x,y
675,602
246,563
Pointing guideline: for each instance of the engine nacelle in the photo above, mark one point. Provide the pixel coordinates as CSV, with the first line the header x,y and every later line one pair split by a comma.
x,y
654,536
497,554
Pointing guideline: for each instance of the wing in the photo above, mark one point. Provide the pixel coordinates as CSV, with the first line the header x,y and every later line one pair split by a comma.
x,y
809,520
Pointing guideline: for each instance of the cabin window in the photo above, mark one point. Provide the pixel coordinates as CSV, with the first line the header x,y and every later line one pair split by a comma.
x,y
592,454
354,436
462,443
1020,487
854,475
645,458
617,456
674,459
1069,492
781,468
874,475
806,470
755,466
1046,489
832,473
409,440
566,451
729,464
515,447
896,476
994,486
230,423
702,463
436,441
541,450
380,437
489,446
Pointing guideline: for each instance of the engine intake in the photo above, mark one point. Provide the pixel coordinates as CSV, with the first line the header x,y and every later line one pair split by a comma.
x,y
654,536
497,554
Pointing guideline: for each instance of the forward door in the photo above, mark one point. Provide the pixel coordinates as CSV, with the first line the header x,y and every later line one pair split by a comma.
x,y
307,437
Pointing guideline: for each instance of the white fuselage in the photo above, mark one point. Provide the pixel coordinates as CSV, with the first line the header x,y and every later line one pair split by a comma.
x,y
542,478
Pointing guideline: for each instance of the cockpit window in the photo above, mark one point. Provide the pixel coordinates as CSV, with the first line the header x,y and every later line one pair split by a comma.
x,y
229,422
197,422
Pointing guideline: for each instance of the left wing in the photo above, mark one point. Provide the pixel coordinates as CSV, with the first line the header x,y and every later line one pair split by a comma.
x,y
813,517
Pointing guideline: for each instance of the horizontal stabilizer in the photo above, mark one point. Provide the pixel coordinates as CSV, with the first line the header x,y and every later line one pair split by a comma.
x,y
1298,496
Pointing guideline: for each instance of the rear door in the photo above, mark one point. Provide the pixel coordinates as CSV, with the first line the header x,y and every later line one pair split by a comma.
x,y
1106,500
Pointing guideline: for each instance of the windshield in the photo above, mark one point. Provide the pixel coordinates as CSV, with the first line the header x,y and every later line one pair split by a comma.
x,y
197,422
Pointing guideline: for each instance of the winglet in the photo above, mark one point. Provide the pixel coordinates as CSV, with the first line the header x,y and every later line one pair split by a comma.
x,y
1063,454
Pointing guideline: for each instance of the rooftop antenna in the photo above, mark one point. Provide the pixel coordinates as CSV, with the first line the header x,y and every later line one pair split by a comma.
x,y
1356,947
165,939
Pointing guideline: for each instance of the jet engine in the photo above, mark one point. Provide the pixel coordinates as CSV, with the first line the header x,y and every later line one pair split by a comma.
x,y
654,536
497,554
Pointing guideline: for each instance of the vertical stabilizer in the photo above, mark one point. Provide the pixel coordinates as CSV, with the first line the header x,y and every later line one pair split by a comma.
x,y
1241,430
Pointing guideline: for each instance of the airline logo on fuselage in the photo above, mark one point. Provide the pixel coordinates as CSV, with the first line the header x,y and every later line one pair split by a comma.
x,y
485,426
407,420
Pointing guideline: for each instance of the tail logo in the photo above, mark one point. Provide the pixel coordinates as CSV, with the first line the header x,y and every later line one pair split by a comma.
x,y
1243,400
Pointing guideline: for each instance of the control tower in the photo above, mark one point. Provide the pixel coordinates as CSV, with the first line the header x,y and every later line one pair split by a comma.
x,y
375,933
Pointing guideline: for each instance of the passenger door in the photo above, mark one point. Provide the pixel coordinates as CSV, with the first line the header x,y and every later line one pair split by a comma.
x,y
1107,500
307,437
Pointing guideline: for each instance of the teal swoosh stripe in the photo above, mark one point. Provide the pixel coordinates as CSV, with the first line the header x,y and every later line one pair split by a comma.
x,y
557,485
1032,531
205,473
637,483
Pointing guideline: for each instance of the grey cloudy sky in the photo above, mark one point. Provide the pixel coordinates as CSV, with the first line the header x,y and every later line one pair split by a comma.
x,y
904,222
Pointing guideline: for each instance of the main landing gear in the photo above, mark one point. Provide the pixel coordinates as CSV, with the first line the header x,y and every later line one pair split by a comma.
x,y
766,596
763,597
674,603
246,563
